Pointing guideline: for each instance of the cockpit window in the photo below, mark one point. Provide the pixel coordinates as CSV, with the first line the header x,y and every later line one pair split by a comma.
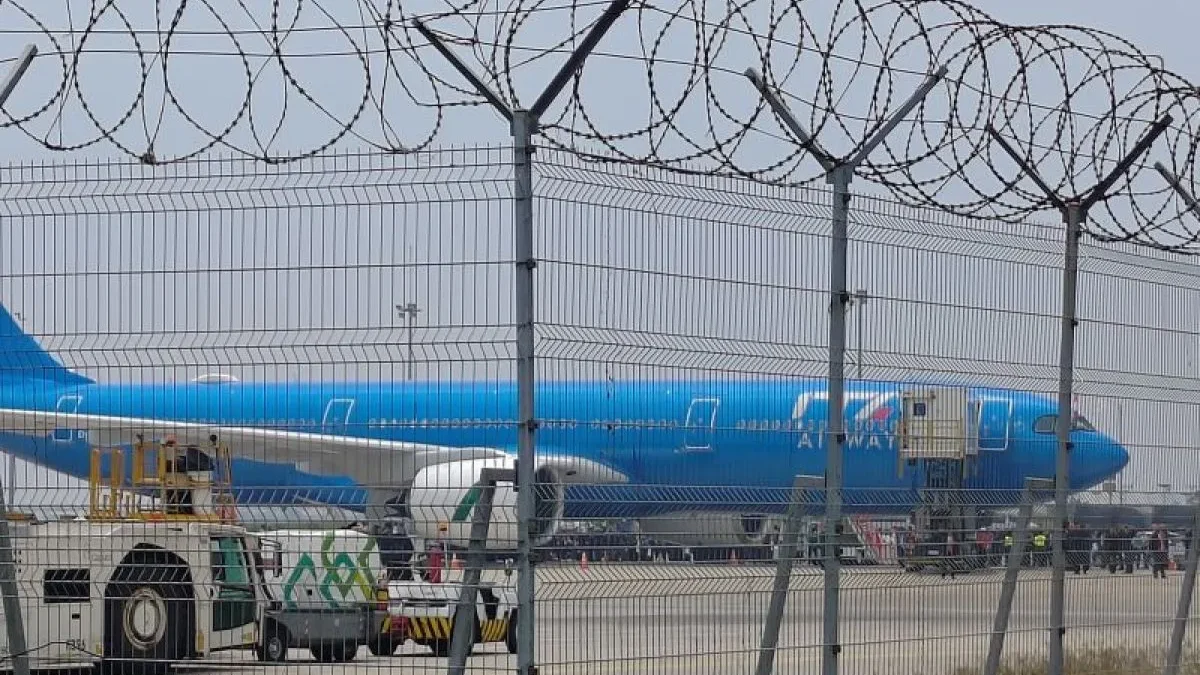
x,y
1046,423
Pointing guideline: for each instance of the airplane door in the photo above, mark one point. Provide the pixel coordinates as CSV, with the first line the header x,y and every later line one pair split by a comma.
x,y
700,426
68,405
337,416
994,424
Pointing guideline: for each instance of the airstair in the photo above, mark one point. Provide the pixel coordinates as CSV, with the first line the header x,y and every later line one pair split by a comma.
x,y
939,433
878,549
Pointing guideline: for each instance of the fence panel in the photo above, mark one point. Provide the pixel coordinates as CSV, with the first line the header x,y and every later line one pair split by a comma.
x,y
681,328
682,293
350,296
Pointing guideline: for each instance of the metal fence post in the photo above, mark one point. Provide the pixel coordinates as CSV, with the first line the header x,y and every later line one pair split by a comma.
x,y
783,570
523,125
1184,606
839,173
1073,217
461,639
1074,212
522,129
1011,568
835,444
14,621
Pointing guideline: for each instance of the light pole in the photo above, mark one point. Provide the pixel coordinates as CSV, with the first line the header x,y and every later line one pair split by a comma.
x,y
411,310
858,299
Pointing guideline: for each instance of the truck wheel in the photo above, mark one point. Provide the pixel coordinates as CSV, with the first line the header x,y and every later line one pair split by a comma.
x,y
510,635
146,623
344,652
335,652
384,645
274,645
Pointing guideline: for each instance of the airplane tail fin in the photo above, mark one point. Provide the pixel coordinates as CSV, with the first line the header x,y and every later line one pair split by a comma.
x,y
21,357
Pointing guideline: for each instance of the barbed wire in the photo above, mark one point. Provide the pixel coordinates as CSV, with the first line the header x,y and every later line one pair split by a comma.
x,y
665,88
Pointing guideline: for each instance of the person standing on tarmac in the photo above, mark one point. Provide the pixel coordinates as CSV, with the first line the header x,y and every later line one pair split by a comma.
x,y
1039,549
1072,547
983,542
1127,554
1086,536
1118,542
950,556
1108,548
1158,550
435,560
1081,549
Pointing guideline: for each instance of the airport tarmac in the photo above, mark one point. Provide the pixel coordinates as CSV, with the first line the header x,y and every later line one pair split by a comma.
x,y
708,619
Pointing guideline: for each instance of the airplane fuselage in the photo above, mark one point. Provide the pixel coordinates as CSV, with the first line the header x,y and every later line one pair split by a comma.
x,y
721,445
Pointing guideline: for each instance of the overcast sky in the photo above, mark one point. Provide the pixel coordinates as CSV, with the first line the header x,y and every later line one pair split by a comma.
x,y
133,273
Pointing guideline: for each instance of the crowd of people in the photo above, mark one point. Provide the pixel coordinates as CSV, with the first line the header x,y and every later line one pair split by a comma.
x,y
1115,548
1118,547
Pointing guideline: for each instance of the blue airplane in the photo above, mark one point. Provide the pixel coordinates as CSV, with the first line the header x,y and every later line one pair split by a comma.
x,y
634,449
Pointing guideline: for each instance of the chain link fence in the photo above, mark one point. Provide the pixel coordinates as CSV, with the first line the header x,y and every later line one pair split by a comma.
x,y
338,337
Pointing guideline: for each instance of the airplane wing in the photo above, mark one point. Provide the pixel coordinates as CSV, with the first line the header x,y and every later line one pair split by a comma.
x,y
367,461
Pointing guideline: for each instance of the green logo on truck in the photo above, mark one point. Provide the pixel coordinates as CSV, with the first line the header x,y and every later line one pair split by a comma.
x,y
464,507
337,577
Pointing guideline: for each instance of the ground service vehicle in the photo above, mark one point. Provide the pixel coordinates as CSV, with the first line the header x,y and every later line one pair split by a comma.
x,y
424,609
137,587
321,569
428,610
150,593
324,586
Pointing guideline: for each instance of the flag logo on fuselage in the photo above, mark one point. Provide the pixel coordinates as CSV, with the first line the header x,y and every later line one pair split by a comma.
x,y
871,428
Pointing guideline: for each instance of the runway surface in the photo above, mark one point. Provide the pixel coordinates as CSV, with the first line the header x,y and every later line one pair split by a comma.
x,y
709,619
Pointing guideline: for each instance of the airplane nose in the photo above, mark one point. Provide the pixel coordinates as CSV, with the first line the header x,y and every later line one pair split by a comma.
x,y
1120,456
1096,458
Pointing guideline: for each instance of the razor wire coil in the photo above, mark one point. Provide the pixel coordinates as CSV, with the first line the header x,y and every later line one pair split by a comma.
x,y
1073,100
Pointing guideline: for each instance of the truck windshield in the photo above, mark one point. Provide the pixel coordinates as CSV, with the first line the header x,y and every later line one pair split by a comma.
x,y
228,563
234,606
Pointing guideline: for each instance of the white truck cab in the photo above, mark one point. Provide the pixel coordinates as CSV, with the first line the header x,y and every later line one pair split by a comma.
x,y
138,594
156,573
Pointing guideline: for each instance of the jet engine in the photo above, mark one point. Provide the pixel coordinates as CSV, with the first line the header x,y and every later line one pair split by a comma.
x,y
711,529
442,499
